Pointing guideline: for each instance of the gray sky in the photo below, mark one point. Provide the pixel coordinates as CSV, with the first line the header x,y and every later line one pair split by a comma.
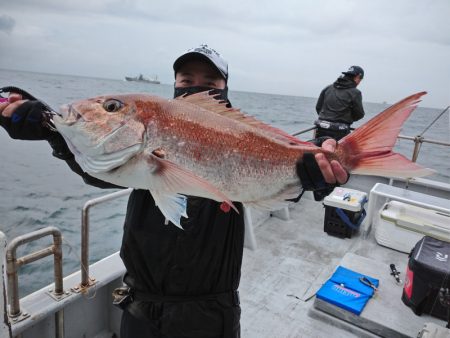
x,y
284,47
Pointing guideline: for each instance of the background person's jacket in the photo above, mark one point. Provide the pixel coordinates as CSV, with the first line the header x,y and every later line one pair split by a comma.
x,y
340,102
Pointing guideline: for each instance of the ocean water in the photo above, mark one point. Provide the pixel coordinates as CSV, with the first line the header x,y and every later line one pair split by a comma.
x,y
38,190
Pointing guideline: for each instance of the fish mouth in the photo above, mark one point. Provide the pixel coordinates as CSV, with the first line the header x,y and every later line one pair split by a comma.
x,y
69,115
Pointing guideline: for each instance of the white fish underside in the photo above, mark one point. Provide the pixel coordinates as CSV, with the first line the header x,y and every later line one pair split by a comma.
x,y
252,182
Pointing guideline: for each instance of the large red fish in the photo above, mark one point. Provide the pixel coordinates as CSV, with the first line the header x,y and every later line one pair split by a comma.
x,y
195,145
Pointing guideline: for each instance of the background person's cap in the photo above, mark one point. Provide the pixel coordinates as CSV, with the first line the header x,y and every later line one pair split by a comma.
x,y
206,53
355,70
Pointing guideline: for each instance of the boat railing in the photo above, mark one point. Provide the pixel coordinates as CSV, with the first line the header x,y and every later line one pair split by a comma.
x,y
85,225
418,140
13,263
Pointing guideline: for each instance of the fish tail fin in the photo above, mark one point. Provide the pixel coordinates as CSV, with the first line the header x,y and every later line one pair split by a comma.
x,y
368,150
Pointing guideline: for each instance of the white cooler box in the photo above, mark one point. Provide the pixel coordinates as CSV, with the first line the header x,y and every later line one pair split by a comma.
x,y
400,226
350,204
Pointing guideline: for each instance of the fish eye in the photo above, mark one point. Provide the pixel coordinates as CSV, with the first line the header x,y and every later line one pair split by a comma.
x,y
112,105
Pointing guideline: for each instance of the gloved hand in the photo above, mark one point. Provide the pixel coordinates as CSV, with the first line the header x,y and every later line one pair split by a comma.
x,y
26,122
311,175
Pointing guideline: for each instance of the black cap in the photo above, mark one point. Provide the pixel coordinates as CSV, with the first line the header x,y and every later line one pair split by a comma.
x,y
355,70
203,53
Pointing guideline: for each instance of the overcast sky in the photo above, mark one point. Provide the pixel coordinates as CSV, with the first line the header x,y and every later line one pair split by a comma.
x,y
278,46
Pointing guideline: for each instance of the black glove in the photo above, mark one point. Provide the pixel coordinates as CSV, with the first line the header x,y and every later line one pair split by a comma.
x,y
309,173
26,122
311,177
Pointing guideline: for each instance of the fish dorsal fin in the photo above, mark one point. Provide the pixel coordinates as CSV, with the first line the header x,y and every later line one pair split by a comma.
x,y
207,101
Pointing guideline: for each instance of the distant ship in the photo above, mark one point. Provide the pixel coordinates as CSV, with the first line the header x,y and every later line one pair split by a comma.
x,y
141,78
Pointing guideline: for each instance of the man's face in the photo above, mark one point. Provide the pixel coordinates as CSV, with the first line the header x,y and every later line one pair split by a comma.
x,y
198,73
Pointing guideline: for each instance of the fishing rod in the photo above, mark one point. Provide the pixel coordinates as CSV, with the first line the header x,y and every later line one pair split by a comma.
x,y
442,113
309,129
304,131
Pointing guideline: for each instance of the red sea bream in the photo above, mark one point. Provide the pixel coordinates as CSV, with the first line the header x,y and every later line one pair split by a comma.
x,y
194,145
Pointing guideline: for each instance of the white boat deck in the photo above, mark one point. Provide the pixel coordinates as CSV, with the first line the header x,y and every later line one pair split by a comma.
x,y
292,260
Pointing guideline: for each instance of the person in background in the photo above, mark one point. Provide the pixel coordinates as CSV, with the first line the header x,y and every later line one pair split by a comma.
x,y
340,104
178,283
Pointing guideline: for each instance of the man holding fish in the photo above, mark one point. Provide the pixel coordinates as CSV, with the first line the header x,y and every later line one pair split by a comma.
x,y
190,161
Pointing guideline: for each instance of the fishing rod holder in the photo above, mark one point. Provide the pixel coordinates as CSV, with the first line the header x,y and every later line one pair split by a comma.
x,y
418,140
13,263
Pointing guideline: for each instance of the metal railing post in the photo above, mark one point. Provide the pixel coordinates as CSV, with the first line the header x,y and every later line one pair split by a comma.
x,y
85,282
13,264
418,140
417,143
5,327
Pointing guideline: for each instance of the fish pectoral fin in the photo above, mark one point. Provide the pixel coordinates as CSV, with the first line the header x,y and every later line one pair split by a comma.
x,y
173,207
174,179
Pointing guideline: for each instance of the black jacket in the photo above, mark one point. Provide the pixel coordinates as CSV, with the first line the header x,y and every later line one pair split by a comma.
x,y
340,102
203,259
164,261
